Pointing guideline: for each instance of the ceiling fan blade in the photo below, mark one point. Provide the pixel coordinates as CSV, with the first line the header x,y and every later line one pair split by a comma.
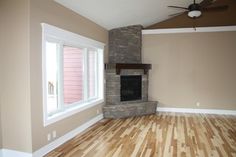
x,y
216,8
206,3
178,7
176,14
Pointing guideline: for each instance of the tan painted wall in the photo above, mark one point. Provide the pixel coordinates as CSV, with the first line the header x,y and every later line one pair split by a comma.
x,y
0,128
0,118
1,65
48,11
15,86
192,67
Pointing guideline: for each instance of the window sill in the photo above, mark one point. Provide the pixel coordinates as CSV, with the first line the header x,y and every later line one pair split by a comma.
x,y
71,111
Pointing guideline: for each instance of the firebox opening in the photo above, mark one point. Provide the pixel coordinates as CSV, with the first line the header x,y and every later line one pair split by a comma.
x,y
131,87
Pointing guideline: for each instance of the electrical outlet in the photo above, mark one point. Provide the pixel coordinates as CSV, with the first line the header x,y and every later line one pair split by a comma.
x,y
49,137
54,134
198,104
98,111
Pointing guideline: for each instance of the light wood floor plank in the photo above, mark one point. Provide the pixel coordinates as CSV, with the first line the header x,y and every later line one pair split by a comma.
x,y
160,135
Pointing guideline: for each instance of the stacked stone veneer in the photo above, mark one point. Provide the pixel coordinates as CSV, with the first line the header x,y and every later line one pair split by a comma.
x,y
125,44
125,47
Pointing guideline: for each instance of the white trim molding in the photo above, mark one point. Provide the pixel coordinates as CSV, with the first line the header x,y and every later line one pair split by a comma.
x,y
13,153
189,30
46,149
71,111
62,34
191,110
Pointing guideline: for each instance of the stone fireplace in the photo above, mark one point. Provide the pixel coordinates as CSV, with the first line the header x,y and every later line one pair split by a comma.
x,y
126,76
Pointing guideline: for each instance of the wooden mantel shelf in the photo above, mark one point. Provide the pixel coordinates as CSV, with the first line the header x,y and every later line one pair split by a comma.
x,y
120,66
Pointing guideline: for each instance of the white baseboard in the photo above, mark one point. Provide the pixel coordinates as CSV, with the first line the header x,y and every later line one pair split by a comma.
x,y
13,153
191,110
46,149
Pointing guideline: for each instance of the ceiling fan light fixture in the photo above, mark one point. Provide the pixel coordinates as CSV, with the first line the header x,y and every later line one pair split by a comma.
x,y
194,13
194,9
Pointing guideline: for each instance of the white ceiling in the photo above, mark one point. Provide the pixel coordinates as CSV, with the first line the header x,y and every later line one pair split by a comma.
x,y
118,13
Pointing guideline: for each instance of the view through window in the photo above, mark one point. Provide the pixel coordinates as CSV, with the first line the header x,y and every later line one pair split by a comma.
x,y
73,72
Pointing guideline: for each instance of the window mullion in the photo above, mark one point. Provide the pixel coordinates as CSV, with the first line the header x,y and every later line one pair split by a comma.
x,y
96,74
85,76
100,77
60,78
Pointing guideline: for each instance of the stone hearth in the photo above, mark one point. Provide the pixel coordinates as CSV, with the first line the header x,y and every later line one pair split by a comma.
x,y
130,109
125,60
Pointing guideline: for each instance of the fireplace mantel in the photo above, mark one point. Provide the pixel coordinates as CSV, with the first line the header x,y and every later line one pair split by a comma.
x,y
120,66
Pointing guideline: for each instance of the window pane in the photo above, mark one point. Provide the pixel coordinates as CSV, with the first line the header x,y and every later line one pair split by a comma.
x,y
73,75
92,59
52,77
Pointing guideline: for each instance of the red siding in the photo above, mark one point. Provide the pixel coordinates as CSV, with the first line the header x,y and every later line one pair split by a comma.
x,y
73,75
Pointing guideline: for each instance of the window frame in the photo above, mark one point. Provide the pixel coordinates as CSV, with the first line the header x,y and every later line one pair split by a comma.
x,y
65,38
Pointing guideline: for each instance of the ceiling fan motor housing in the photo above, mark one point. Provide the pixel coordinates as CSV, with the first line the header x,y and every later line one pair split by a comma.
x,y
193,7
194,10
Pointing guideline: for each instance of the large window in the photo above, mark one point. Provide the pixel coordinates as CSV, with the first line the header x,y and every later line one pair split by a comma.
x,y
72,73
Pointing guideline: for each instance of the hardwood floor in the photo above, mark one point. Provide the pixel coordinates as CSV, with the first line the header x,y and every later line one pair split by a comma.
x,y
160,135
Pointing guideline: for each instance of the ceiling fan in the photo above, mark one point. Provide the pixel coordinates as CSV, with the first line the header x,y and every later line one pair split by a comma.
x,y
195,10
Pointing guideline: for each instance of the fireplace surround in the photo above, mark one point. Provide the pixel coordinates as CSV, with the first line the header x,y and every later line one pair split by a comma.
x,y
126,76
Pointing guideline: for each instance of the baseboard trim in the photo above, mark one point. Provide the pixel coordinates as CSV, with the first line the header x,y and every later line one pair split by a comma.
x,y
11,153
191,110
46,149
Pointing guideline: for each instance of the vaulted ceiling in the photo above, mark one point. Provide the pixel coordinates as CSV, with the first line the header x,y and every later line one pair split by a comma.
x,y
207,19
118,13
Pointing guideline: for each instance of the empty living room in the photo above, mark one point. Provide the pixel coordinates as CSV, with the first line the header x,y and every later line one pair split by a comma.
x,y
117,78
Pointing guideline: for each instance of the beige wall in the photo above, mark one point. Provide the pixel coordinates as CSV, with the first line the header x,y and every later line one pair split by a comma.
x,y
0,131
192,67
0,116
15,86
1,53
48,11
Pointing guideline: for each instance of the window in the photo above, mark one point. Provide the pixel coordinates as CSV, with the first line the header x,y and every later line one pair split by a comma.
x,y
72,73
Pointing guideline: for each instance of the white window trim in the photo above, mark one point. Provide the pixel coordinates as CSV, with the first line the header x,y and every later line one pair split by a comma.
x,y
66,36
49,31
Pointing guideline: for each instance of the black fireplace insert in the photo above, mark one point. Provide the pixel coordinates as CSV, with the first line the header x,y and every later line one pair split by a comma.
x,y
131,87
